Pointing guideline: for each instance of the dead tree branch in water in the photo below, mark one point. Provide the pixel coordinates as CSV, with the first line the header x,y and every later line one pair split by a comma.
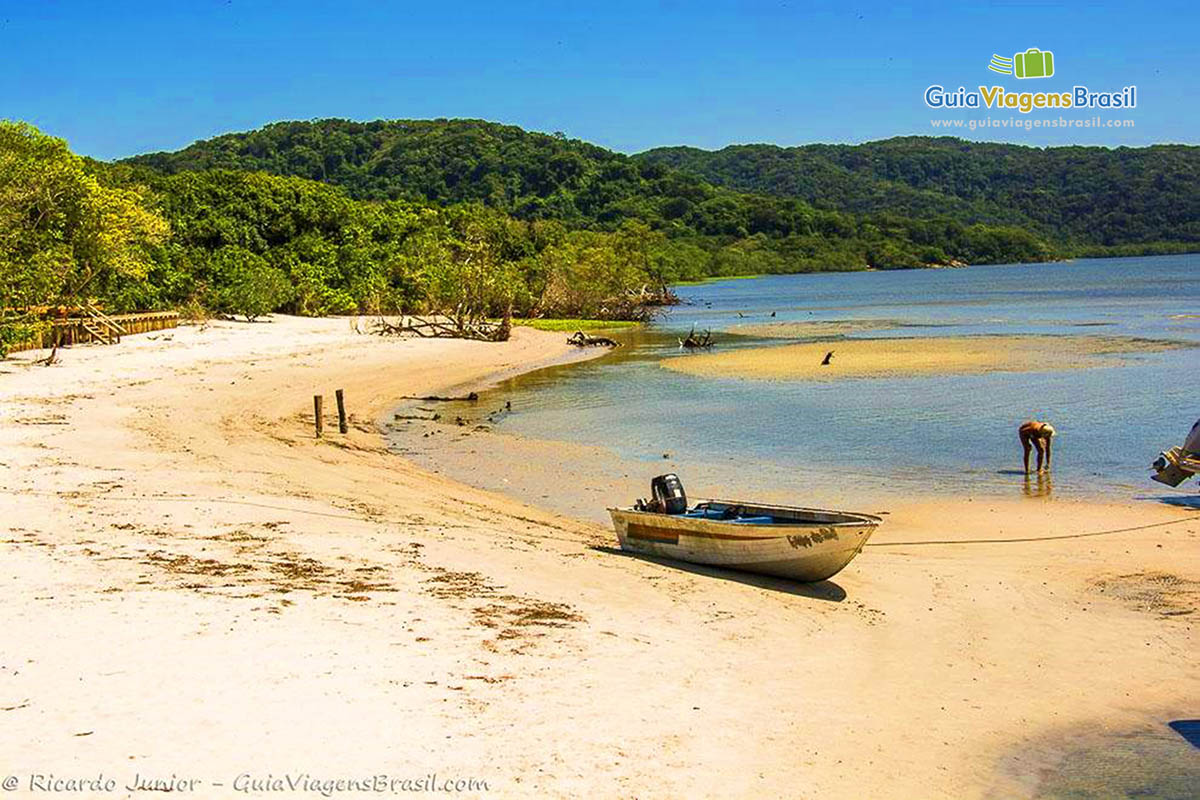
x,y
581,339
468,398
694,342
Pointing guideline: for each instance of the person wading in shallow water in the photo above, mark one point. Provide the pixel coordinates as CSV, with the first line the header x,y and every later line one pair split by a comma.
x,y
1036,434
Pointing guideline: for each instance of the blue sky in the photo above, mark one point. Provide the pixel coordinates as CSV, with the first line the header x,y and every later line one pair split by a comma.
x,y
116,79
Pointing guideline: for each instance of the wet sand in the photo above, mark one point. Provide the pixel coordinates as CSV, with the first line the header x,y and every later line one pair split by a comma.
x,y
916,356
197,585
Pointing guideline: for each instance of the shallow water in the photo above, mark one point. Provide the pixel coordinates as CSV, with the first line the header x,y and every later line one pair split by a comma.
x,y
1151,762
939,433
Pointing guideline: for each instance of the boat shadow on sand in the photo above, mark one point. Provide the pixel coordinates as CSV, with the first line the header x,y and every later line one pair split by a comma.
x,y
1191,501
821,590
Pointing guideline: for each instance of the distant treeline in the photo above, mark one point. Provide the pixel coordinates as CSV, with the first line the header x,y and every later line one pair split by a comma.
x,y
1084,200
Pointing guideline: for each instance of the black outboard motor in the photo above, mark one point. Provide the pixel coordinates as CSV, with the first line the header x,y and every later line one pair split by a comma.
x,y
668,494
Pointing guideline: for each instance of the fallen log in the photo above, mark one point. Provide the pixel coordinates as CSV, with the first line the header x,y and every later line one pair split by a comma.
x,y
469,398
581,339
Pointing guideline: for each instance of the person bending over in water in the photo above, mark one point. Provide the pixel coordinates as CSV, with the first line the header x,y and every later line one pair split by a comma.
x,y
1036,434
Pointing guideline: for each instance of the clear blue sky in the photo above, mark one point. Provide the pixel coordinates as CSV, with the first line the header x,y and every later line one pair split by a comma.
x,y
116,78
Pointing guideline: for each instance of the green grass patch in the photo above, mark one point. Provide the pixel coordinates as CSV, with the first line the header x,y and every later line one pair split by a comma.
x,y
715,279
572,325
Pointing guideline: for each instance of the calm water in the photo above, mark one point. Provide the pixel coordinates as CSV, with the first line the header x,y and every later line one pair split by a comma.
x,y
933,433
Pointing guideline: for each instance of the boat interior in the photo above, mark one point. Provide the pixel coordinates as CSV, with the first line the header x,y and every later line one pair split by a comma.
x,y
751,514
669,498
730,514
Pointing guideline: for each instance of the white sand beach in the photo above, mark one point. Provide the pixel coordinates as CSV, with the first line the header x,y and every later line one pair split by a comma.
x,y
197,587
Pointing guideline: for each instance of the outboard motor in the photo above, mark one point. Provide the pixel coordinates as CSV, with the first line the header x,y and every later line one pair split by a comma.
x,y
668,494
1167,469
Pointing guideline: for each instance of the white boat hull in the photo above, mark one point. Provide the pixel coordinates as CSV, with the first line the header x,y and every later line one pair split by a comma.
x,y
812,545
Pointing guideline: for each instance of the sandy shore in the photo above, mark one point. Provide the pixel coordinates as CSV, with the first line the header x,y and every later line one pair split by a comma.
x,y
197,587
904,357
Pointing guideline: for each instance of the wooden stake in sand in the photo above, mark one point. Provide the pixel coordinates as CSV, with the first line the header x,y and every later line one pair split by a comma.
x,y
341,401
318,402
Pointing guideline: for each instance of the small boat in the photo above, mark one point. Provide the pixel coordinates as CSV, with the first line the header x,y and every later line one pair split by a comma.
x,y
804,544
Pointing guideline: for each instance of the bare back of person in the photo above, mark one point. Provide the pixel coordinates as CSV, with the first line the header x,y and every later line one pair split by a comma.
x,y
1036,435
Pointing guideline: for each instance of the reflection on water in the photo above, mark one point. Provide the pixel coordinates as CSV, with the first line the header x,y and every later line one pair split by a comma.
x,y
1154,764
915,434
1039,485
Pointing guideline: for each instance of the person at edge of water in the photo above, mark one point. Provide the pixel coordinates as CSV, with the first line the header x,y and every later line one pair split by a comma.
x,y
1035,434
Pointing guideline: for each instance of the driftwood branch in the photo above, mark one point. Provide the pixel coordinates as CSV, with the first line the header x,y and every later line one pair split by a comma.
x,y
469,398
693,341
581,339
440,328
50,359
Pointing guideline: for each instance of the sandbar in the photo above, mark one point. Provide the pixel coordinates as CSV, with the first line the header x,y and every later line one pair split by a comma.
x,y
918,356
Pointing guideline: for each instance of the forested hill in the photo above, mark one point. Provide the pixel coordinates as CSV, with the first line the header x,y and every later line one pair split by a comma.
x,y
440,161
1071,195
531,176
896,203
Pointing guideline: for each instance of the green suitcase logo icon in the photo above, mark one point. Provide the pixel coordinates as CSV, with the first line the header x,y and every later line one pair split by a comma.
x,y
1033,63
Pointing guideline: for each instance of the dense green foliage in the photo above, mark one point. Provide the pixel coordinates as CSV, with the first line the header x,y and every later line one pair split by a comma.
x,y
248,243
245,283
63,236
338,255
473,219
710,230
1081,198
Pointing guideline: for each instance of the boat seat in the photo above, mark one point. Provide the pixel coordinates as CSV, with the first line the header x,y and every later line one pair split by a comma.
x,y
708,513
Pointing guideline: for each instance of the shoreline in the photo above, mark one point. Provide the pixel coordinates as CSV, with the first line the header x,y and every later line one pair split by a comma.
x,y
1061,259
537,467
170,491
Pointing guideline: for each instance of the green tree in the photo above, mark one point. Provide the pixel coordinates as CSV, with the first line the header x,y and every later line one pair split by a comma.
x,y
244,283
64,237
468,271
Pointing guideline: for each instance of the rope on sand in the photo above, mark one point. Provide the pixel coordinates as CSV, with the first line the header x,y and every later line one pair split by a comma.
x,y
1035,538
365,518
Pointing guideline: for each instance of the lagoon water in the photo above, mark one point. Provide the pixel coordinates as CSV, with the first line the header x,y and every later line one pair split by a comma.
x,y
920,434
845,442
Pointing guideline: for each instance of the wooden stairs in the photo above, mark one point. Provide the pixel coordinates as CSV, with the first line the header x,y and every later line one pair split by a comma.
x,y
101,327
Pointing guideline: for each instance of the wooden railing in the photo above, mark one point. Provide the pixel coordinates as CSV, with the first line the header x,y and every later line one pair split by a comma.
x,y
102,327
95,326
